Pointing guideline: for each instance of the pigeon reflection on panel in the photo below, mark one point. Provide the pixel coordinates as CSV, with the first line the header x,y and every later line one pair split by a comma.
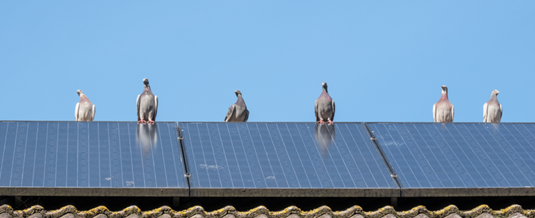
x,y
324,135
147,137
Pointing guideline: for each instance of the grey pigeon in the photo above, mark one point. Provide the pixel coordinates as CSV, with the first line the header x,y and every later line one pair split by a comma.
x,y
238,111
492,110
324,106
85,110
147,105
443,110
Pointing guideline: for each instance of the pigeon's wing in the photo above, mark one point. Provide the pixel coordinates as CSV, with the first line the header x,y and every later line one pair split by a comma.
x,y
246,115
435,113
316,110
452,113
485,111
155,106
76,111
93,114
500,114
230,112
332,117
137,103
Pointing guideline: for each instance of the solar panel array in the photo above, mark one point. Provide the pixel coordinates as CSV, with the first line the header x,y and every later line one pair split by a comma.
x,y
460,156
284,159
266,159
90,155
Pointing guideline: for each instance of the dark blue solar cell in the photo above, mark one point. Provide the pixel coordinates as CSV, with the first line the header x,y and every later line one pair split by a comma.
x,y
90,155
293,156
459,155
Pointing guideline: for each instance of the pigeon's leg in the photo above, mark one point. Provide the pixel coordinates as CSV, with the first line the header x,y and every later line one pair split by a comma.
x,y
320,118
150,118
330,122
141,121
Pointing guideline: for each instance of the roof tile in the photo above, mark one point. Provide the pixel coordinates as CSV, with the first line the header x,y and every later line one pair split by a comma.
x,y
483,211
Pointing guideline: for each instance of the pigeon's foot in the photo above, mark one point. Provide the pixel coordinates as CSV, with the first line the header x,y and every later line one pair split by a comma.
x,y
321,122
150,122
330,122
142,121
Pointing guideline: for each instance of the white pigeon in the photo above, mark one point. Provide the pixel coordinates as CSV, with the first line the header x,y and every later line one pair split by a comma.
x,y
85,110
492,110
443,110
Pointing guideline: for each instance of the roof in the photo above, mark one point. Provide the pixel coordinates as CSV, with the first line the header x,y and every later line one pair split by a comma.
x,y
451,211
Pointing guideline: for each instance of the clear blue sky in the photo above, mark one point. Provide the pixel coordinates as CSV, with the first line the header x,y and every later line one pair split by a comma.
x,y
383,60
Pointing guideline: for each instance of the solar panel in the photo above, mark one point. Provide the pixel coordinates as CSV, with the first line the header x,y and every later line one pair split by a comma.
x,y
284,159
91,159
460,159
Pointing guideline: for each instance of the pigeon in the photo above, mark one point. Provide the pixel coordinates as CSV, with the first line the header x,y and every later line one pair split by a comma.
x,y
443,110
85,110
492,110
147,105
324,107
238,111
